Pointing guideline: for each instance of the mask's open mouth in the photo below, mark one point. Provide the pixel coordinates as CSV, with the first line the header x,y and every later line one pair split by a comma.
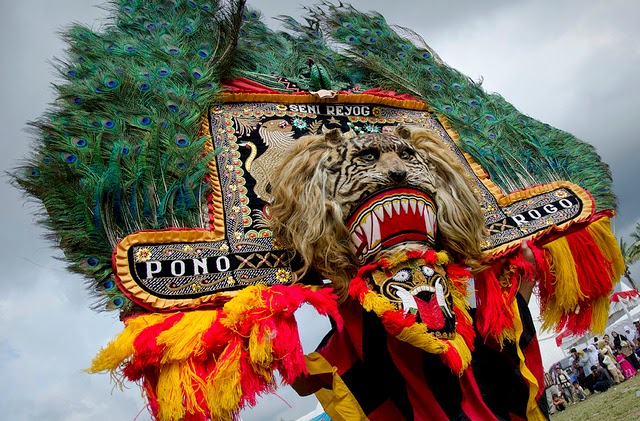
x,y
391,217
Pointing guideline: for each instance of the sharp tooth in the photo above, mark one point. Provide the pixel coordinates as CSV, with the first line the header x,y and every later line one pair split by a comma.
x,y
356,241
388,209
430,220
408,302
379,211
413,203
405,205
421,207
374,240
396,206
366,227
440,296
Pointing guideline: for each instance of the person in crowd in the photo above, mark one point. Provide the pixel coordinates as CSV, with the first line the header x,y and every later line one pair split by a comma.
x,y
578,392
564,383
601,382
631,336
608,361
625,347
559,403
585,363
625,367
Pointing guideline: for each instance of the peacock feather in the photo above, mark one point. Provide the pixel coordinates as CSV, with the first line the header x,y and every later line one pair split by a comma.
x,y
120,150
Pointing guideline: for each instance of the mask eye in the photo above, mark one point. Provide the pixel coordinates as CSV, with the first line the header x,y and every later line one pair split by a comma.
x,y
369,155
407,154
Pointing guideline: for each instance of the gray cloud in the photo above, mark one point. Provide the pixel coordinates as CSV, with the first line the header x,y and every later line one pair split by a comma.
x,y
571,64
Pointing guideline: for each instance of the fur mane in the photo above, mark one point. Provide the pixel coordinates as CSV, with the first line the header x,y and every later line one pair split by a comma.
x,y
306,219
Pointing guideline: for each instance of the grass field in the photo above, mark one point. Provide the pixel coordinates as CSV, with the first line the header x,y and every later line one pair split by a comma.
x,y
620,403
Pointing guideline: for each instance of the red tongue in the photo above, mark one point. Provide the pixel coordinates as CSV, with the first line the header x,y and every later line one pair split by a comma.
x,y
430,313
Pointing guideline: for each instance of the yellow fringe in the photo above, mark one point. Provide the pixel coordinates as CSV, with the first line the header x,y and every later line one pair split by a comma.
x,y
223,386
169,393
260,346
417,336
601,233
183,340
599,314
121,348
567,292
247,298
377,303
463,350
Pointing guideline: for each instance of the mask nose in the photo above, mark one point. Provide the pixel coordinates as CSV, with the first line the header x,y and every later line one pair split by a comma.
x,y
398,175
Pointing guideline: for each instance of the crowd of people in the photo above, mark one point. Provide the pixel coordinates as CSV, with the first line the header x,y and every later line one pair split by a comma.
x,y
607,361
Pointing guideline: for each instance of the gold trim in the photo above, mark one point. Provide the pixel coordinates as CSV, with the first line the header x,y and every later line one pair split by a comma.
x,y
217,207
162,237
340,98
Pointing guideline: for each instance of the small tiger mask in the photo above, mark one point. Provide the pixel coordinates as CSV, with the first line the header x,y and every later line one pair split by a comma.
x,y
327,185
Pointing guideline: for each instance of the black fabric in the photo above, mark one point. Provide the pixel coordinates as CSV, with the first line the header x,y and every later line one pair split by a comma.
x,y
444,385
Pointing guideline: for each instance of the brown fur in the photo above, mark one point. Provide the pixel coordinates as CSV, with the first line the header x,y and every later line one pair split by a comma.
x,y
311,199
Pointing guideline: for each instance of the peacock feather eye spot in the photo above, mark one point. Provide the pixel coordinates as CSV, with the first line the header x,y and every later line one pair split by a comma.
x,y
110,47
164,124
125,151
34,173
489,117
144,86
456,86
203,53
372,39
474,103
150,26
192,4
80,142
187,29
464,117
365,53
108,284
405,46
401,54
109,124
492,135
181,141
129,48
172,107
69,159
47,160
351,39
163,72
426,55
72,73
92,261
111,83
436,87
448,108
145,121
127,9
181,165
78,100
95,123
206,7
173,51
117,302
254,15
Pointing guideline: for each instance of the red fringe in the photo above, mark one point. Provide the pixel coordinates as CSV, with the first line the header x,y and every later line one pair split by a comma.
x,y
594,270
452,359
494,313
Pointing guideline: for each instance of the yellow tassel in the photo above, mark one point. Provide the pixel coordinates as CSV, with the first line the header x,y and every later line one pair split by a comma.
x,y
442,258
191,383
599,314
551,315
247,298
567,292
223,386
377,303
463,350
183,340
417,336
169,393
260,346
121,348
605,240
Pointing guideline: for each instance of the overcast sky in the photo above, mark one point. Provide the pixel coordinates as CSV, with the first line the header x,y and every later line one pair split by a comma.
x,y
573,64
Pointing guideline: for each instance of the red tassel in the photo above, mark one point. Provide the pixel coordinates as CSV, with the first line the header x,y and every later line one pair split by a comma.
x,y
494,314
593,269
